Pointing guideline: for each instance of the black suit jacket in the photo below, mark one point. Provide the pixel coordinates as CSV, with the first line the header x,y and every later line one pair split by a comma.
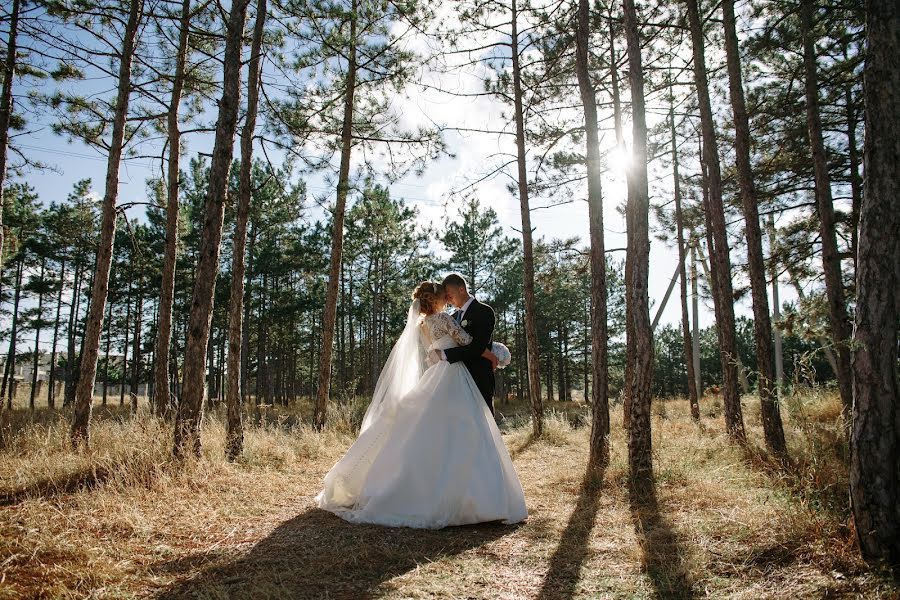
x,y
479,323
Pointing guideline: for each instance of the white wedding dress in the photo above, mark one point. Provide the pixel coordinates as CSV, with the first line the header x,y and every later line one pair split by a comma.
x,y
429,453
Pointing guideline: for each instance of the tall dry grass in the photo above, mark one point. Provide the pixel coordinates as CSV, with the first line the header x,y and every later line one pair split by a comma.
x,y
123,519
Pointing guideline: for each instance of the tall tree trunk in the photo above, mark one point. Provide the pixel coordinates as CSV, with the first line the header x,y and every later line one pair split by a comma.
x,y
639,439
599,446
875,438
337,235
125,332
762,325
855,179
162,402
51,391
87,371
190,409
776,309
136,350
69,388
831,259
6,106
234,439
106,354
688,344
723,295
37,338
8,386
245,328
695,314
533,358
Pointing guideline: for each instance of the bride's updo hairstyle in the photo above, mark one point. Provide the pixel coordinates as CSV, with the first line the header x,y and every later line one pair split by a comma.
x,y
429,295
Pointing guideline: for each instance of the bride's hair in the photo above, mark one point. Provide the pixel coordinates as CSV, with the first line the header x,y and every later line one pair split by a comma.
x,y
429,294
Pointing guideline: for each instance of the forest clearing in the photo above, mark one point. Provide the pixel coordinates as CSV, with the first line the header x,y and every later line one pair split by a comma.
x,y
124,521
232,231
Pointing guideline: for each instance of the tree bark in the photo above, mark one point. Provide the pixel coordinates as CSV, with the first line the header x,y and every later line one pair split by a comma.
x,y
773,430
695,314
37,338
51,390
136,351
234,438
831,260
855,179
6,107
106,354
125,331
776,311
875,437
87,371
639,439
531,342
8,386
190,409
69,388
693,397
599,445
162,401
337,235
723,295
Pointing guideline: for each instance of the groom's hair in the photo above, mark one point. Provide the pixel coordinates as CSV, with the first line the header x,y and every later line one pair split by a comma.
x,y
455,279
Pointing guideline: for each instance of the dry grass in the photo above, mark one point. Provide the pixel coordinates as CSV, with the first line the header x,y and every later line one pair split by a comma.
x,y
122,520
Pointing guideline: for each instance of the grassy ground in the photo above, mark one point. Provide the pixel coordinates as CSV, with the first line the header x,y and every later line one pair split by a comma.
x,y
122,520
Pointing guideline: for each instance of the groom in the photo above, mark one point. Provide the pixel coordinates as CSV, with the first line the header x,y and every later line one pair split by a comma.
x,y
477,320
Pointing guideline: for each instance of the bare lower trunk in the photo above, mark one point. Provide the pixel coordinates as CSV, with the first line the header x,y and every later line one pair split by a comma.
x,y
10,375
51,391
37,339
234,440
639,440
688,344
695,313
717,232
337,238
136,352
762,325
87,371
531,342
162,402
776,310
190,409
599,452
875,437
831,260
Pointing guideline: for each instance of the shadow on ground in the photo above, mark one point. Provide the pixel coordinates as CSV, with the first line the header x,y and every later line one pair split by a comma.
x,y
318,555
50,487
563,572
664,556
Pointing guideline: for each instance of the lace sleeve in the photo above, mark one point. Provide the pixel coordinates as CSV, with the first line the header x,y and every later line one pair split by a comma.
x,y
459,335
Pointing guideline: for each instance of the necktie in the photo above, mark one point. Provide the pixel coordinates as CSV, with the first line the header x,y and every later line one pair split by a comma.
x,y
458,315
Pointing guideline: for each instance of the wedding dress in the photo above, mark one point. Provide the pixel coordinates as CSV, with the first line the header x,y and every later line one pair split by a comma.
x,y
429,453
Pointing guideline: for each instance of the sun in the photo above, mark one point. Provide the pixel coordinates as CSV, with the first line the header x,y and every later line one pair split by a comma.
x,y
618,160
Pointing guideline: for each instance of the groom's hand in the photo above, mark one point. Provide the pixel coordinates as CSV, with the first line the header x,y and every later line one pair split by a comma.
x,y
435,356
492,358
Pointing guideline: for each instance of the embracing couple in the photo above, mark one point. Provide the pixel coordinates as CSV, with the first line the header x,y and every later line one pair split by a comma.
x,y
429,453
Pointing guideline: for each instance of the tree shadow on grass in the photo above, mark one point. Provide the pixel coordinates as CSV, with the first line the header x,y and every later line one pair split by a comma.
x,y
563,572
49,487
318,555
664,556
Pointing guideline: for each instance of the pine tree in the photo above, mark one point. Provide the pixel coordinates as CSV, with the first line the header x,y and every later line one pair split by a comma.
x,y
190,409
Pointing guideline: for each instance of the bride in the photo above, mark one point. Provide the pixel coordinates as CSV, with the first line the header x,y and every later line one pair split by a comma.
x,y
429,453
